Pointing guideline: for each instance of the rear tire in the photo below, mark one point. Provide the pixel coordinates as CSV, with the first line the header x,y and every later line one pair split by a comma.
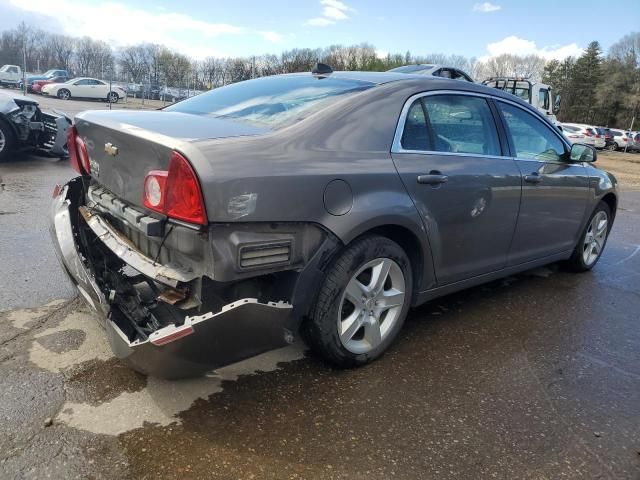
x,y
592,240
7,139
362,304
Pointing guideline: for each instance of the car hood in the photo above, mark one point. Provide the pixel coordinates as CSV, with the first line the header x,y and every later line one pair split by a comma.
x,y
9,102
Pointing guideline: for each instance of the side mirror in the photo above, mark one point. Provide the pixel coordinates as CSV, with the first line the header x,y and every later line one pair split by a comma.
x,y
582,153
556,104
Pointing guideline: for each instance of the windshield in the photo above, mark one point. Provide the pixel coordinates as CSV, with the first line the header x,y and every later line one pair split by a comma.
x,y
273,102
49,73
5,68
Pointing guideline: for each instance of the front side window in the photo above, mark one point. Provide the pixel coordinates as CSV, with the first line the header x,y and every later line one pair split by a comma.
x,y
462,124
82,82
531,138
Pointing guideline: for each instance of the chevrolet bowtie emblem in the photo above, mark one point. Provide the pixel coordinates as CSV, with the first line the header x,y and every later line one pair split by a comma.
x,y
110,149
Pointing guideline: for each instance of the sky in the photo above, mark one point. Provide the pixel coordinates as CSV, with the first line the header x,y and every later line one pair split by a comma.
x,y
551,28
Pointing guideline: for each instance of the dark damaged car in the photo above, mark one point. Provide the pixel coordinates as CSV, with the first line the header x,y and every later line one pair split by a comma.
x,y
324,204
24,125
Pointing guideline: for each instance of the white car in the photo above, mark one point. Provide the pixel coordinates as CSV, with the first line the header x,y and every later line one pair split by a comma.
x,y
621,138
434,70
574,135
590,132
85,88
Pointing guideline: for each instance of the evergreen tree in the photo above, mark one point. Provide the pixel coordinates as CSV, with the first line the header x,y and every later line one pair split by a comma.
x,y
586,78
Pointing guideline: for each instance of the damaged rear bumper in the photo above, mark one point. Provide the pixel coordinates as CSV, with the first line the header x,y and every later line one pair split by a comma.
x,y
193,342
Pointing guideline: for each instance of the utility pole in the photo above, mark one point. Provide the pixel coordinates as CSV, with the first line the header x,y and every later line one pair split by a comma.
x,y
24,67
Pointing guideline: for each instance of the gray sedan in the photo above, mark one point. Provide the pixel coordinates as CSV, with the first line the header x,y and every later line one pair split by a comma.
x,y
326,204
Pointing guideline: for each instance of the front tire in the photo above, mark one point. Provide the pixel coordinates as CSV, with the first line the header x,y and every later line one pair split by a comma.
x,y
362,304
64,94
7,140
113,97
593,240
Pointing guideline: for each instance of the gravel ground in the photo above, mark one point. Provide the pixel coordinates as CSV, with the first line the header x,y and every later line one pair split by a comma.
x,y
625,167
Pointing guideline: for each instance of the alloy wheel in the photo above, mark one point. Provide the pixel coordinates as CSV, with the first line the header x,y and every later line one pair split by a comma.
x,y
3,141
595,238
371,305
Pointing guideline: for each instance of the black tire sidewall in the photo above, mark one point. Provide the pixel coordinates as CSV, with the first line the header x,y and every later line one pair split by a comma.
x,y
9,139
322,332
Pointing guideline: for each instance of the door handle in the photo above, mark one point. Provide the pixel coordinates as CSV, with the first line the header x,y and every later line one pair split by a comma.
x,y
434,178
533,178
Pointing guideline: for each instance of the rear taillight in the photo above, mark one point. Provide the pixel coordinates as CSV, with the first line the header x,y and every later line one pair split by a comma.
x,y
176,192
78,155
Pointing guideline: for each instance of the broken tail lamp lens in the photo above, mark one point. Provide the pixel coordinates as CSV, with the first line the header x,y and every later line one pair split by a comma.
x,y
175,192
78,155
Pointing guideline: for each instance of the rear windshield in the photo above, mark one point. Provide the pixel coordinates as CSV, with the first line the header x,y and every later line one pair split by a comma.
x,y
273,102
411,68
569,128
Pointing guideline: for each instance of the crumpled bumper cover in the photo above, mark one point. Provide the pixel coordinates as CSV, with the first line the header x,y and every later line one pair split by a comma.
x,y
239,330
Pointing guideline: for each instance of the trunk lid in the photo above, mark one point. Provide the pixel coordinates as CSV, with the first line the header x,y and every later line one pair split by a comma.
x,y
125,146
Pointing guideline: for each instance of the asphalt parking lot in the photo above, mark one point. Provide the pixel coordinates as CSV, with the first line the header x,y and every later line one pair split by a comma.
x,y
535,376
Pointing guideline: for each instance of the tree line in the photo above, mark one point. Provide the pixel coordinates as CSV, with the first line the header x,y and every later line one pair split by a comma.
x,y
595,88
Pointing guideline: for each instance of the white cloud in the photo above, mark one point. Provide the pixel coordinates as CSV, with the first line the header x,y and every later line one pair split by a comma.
x,y
332,11
273,37
486,7
319,22
120,24
520,46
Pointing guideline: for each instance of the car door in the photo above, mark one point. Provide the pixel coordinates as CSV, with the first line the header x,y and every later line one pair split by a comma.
x,y
80,88
99,89
448,152
554,190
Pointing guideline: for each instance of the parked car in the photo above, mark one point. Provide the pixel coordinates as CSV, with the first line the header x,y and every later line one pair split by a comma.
x,y
634,142
591,134
24,125
434,70
620,138
610,143
84,88
327,203
11,76
36,86
574,135
48,75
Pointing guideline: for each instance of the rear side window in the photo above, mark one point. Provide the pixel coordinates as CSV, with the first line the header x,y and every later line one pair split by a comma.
x,y
532,139
462,124
414,136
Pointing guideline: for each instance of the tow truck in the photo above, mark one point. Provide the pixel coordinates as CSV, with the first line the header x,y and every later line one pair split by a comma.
x,y
11,76
537,94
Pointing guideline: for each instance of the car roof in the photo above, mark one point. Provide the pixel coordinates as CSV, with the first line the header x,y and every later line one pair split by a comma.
x,y
419,81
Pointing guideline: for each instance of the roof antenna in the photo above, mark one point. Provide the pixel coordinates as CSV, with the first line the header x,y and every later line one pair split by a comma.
x,y
322,69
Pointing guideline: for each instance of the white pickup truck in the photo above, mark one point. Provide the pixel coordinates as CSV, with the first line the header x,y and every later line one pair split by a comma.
x,y
11,76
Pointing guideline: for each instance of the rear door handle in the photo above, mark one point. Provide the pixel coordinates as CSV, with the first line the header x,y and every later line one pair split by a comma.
x,y
433,179
533,178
